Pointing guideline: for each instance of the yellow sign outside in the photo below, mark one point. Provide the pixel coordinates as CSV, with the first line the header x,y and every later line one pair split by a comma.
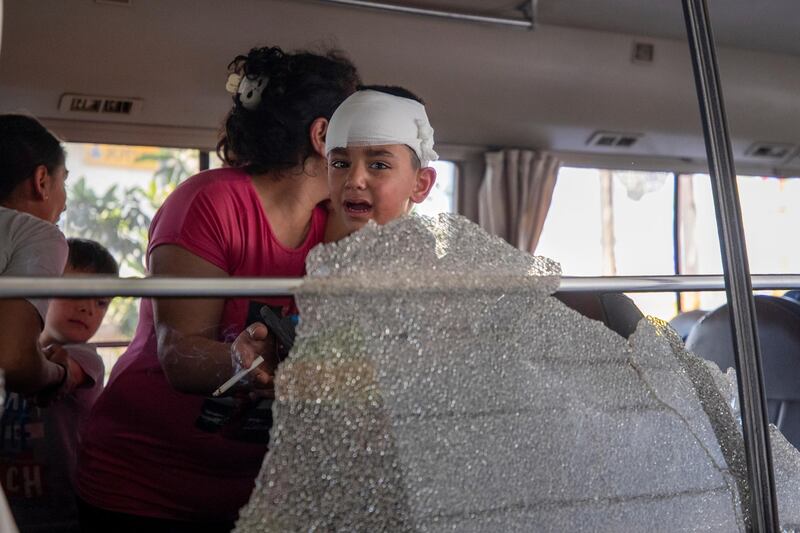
x,y
111,155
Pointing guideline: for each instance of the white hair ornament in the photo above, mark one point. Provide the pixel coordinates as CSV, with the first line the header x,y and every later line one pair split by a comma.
x,y
248,89
371,118
232,85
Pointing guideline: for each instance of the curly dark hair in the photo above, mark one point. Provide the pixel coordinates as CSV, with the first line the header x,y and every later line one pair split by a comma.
x,y
24,145
301,87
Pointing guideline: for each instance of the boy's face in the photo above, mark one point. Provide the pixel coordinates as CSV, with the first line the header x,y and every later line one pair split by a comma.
x,y
375,183
74,321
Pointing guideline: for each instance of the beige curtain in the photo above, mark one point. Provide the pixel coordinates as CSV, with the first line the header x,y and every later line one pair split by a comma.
x,y
515,195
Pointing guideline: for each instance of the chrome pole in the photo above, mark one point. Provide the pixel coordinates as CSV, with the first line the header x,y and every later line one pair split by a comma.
x,y
755,423
102,286
467,17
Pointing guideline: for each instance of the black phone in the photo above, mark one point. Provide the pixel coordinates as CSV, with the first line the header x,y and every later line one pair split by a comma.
x,y
282,328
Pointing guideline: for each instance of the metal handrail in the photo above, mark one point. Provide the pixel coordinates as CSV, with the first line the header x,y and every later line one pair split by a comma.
x,y
168,287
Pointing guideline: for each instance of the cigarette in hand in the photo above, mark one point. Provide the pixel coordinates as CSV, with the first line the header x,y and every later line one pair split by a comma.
x,y
237,377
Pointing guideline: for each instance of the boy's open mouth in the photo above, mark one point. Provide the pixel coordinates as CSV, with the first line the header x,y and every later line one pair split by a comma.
x,y
357,207
78,323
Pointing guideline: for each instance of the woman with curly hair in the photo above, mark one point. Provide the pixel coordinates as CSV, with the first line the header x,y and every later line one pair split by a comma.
x,y
155,455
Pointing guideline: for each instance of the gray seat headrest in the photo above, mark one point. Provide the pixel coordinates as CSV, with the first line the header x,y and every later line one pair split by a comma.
x,y
779,336
684,322
615,310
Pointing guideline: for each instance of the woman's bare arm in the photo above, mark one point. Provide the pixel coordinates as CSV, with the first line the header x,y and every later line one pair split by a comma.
x,y
193,360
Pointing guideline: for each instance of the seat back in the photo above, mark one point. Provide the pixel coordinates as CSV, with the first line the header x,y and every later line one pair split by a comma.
x,y
779,336
684,322
615,310
792,295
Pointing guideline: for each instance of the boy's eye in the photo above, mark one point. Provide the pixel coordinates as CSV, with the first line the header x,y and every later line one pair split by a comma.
x,y
338,163
379,165
102,304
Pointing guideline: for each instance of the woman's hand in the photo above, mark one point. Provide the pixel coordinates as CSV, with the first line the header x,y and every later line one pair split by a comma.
x,y
252,343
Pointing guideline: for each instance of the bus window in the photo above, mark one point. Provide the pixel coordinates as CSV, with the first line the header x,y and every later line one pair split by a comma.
x,y
613,223
620,223
770,206
442,198
113,193
214,161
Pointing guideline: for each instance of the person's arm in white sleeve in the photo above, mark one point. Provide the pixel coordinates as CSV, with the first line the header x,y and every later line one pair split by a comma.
x,y
39,250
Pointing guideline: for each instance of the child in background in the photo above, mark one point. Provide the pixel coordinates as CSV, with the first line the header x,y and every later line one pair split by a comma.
x,y
39,445
379,145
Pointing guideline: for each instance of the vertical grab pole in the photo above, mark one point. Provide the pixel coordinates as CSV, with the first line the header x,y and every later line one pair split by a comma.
x,y
755,424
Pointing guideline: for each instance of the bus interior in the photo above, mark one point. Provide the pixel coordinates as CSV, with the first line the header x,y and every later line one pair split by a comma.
x,y
601,91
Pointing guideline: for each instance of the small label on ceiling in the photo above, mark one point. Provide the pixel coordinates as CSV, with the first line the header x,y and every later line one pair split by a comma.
x,y
105,105
643,52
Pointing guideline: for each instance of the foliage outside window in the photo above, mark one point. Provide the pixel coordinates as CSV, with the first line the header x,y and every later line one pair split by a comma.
x,y
113,193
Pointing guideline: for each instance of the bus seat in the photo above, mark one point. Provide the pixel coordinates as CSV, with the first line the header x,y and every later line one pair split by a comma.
x,y
615,310
779,335
684,322
792,295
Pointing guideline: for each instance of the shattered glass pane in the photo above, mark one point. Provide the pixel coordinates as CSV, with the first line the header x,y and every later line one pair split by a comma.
x,y
436,385
785,457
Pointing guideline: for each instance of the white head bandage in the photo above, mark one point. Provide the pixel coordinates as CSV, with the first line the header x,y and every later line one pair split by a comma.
x,y
372,118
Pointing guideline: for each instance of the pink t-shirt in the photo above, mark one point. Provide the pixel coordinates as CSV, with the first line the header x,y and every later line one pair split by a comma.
x,y
142,453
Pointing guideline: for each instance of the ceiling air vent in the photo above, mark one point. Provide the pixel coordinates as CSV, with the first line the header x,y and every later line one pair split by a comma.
x,y
610,139
765,150
99,105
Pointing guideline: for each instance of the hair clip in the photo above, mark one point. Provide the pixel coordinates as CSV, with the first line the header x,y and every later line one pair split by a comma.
x,y
232,85
250,90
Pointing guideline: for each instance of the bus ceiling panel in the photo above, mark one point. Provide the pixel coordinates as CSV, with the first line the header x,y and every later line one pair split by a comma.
x,y
767,26
548,88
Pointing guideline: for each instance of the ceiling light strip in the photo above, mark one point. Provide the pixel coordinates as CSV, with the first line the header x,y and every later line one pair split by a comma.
x,y
467,17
